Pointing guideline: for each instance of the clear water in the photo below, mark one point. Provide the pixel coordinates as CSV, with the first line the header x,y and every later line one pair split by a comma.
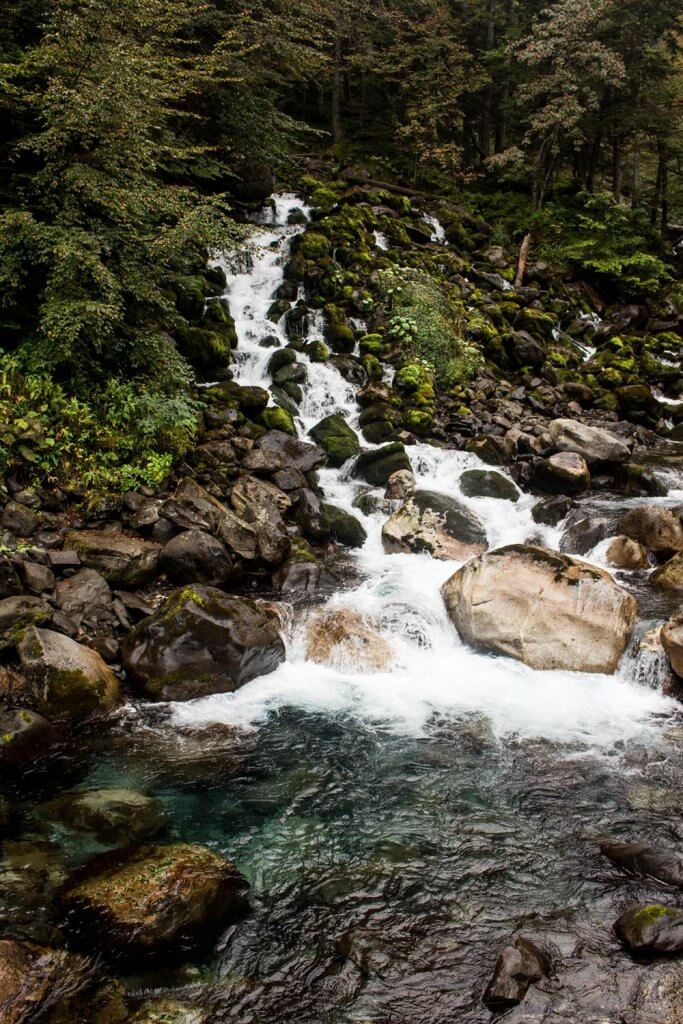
x,y
397,827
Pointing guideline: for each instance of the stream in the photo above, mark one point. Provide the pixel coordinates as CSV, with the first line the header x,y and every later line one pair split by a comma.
x,y
398,827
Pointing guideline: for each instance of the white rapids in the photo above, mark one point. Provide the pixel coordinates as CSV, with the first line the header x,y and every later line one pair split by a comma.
x,y
435,676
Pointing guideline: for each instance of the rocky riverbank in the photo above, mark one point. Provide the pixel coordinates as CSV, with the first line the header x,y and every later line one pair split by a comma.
x,y
395,338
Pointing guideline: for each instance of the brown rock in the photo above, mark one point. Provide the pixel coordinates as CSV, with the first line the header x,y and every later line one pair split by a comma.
x,y
346,641
624,553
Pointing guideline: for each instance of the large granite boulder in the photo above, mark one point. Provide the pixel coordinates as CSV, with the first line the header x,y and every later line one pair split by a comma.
x,y
68,679
201,641
87,599
436,524
549,610
194,556
593,444
670,575
124,561
261,504
191,507
152,901
562,473
344,640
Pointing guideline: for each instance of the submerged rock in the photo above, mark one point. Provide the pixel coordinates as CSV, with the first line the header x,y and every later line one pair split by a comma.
x,y
344,640
548,610
657,528
652,928
25,737
436,524
593,444
644,861
111,815
201,641
168,1011
518,965
123,561
152,900
68,679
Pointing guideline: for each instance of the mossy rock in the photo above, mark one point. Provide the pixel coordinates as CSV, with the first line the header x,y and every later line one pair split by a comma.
x,y
280,358
341,337
317,351
345,528
191,293
375,467
372,367
535,322
337,438
206,350
419,421
277,418
372,344
312,246
217,318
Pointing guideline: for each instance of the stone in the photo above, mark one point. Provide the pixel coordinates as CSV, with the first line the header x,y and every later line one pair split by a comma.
x,y
670,575
25,737
595,445
337,438
152,901
378,464
624,553
644,861
123,561
652,928
486,483
344,527
546,609
37,578
583,532
277,450
19,520
260,504
655,527
400,485
519,964
17,614
10,585
671,635
434,524
168,1011
346,641
310,515
86,598
111,815
551,511
68,680
301,580
201,641
191,507
194,556
495,451
563,473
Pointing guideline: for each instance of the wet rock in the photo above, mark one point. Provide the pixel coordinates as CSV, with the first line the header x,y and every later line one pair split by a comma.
x,y
25,737
552,511
377,465
152,900
201,641
168,1011
670,575
305,579
495,451
336,437
657,528
563,473
123,561
593,444
310,515
624,553
518,965
17,614
345,528
196,557
652,928
87,599
584,532
400,485
19,520
548,610
31,869
644,861
54,986
191,507
68,680
37,578
435,524
277,450
111,815
348,642
486,483
260,503
672,641
10,584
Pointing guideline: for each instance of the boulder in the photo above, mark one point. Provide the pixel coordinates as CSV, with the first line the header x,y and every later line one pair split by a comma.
x,y
624,553
378,464
87,599
670,575
194,556
261,504
337,438
435,524
672,641
495,451
152,901
17,614
344,527
652,928
301,580
644,861
486,483
346,641
19,520
593,444
562,473
400,485
25,737
655,527
277,450
201,641
583,532
169,1011
123,561
112,815
310,515
519,964
548,610
53,986
551,511
68,680
10,584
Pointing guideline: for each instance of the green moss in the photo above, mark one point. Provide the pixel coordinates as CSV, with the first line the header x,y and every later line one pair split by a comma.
x,y
649,915
419,421
276,418
206,350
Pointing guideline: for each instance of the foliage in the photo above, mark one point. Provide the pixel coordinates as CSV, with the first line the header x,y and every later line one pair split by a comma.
x,y
424,319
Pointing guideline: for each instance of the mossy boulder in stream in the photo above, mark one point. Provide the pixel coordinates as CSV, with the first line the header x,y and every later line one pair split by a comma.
x,y
377,465
546,609
337,438
201,641
652,928
152,901
68,679
486,483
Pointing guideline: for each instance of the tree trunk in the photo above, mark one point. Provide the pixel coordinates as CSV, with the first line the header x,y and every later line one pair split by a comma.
x,y
658,190
665,189
617,168
336,88
487,106
597,144
521,261
635,175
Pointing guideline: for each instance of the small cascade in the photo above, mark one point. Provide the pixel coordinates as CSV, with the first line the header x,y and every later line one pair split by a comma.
x,y
438,230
